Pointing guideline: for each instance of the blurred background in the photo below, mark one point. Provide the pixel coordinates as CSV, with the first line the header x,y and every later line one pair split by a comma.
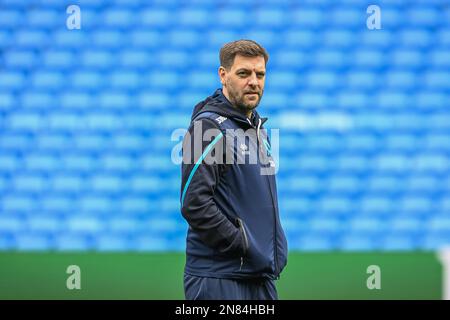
x,y
86,118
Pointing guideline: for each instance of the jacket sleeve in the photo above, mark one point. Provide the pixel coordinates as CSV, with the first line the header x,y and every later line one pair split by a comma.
x,y
200,177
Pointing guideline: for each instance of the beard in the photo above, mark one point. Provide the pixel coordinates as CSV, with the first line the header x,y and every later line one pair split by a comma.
x,y
238,99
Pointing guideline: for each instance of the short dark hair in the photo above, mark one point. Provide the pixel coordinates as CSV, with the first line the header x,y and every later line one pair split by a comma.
x,y
246,48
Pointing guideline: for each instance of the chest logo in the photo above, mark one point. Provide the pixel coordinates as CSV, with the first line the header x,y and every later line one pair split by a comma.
x,y
221,119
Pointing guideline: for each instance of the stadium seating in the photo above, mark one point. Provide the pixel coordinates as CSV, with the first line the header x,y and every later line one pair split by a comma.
x,y
87,117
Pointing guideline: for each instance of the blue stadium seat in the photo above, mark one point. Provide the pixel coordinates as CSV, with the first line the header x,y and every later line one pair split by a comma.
x,y
67,183
314,99
156,18
69,241
124,225
314,243
111,39
345,184
437,79
424,16
382,38
84,225
443,36
308,18
70,39
43,18
429,100
78,100
27,241
153,100
108,242
13,142
362,80
444,203
56,204
299,38
111,100
336,205
39,100
439,58
206,80
58,59
216,37
150,243
31,39
39,223
405,224
97,59
438,142
6,37
20,59
40,162
416,205
401,142
401,80
119,18
376,205
391,17
415,38
10,18
358,242
352,100
283,81
433,241
352,162
183,39
11,224
172,58
369,59
305,184
135,205
234,18
48,80
19,204
270,17
26,121
118,162
346,17
193,17
107,184
399,243
11,80
6,242
125,79
338,38
87,80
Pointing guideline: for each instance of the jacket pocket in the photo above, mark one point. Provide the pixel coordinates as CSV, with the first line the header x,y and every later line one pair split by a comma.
x,y
252,258
245,244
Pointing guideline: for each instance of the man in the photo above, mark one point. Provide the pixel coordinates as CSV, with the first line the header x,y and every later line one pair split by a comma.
x,y
236,246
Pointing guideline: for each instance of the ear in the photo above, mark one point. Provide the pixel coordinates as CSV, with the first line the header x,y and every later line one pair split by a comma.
x,y
222,74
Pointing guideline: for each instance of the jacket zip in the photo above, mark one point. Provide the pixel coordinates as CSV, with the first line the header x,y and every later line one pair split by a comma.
x,y
273,203
275,250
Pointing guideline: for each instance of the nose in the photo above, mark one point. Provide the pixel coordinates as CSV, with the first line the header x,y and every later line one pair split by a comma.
x,y
253,81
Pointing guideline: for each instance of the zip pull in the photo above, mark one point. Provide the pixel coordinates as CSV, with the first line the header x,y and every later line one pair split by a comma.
x,y
242,262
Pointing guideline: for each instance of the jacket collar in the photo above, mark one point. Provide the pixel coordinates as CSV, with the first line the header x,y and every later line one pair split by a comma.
x,y
219,104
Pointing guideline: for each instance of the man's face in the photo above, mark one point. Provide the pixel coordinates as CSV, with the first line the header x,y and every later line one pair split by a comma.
x,y
243,84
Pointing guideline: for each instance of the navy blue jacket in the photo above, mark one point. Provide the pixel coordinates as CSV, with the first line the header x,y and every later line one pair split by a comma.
x,y
231,207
